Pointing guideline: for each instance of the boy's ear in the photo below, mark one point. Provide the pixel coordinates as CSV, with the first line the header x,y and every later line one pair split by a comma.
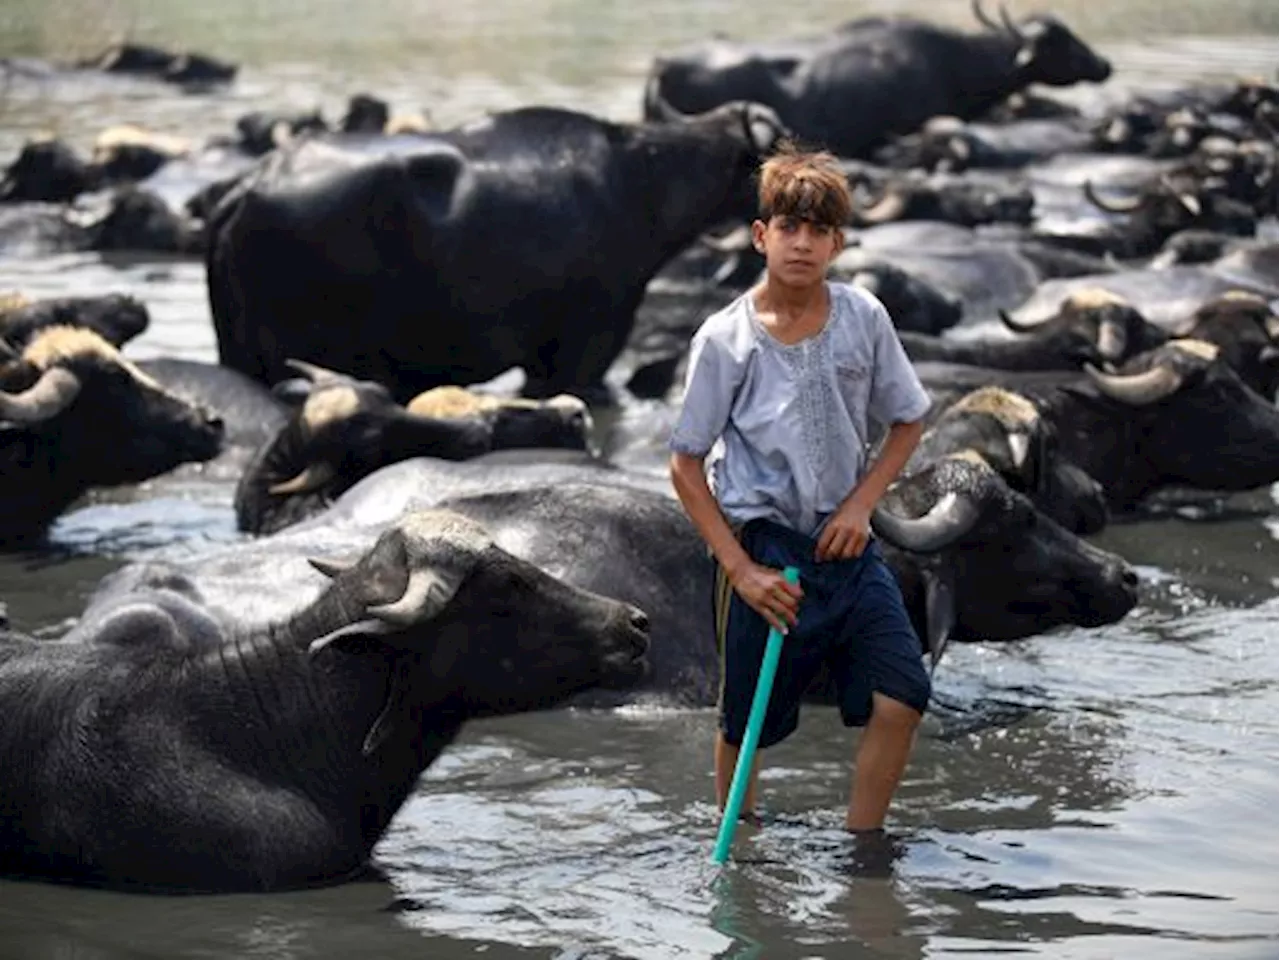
x,y
758,228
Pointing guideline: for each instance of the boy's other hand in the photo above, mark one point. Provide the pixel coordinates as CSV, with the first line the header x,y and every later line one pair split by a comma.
x,y
846,533
767,592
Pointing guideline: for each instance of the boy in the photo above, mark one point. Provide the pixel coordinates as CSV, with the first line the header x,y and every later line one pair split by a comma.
x,y
787,376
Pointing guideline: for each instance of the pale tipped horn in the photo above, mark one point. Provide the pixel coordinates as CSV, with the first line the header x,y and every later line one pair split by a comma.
x,y
888,207
315,476
314,372
47,397
330,568
1111,206
425,595
1136,389
950,519
982,16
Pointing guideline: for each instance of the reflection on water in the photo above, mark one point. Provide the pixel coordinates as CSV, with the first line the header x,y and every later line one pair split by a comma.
x,y
1107,793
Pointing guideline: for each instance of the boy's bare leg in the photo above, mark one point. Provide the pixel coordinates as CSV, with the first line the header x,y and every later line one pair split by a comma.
x,y
881,759
726,762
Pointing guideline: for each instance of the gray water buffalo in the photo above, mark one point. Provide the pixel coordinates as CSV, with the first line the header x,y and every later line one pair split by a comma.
x,y
1009,433
525,239
158,748
1174,416
114,317
881,76
346,429
74,414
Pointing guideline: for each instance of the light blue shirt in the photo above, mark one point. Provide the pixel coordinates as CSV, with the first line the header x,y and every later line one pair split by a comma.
x,y
793,418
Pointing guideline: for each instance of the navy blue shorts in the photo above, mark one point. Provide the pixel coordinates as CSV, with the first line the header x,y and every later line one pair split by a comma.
x,y
852,619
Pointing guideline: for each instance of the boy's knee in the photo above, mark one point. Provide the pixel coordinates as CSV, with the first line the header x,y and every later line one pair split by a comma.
x,y
888,711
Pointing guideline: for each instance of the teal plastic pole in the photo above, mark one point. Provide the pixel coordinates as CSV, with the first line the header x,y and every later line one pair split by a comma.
x,y
747,751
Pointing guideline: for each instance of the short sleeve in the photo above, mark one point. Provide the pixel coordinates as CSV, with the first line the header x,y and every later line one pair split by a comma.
x,y
710,386
897,396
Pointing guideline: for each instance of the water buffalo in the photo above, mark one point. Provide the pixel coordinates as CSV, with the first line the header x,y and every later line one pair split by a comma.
x,y
1244,328
125,219
187,69
156,747
114,317
967,200
346,429
525,239
1009,433
1174,416
949,144
881,76
1092,326
914,304
250,413
47,171
1166,206
75,415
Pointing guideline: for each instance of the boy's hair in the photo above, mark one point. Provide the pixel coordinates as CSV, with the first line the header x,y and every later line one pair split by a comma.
x,y
807,185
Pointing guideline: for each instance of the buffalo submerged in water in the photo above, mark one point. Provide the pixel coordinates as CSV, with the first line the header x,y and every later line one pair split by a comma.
x,y
156,747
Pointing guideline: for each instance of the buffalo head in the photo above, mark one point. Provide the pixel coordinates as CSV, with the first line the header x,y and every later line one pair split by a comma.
x,y
953,199
1007,430
475,630
115,317
1244,328
47,171
1196,423
1093,325
1048,52
345,429
985,564
1169,205
77,415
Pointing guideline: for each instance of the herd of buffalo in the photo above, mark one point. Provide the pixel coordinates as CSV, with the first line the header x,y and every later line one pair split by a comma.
x,y
417,553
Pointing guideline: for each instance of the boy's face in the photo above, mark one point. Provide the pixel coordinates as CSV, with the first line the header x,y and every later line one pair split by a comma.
x,y
797,252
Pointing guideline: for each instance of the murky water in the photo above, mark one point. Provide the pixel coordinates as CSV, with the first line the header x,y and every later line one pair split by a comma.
x,y
1106,793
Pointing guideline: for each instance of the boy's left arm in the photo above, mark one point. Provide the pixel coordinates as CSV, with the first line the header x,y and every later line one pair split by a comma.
x,y
897,398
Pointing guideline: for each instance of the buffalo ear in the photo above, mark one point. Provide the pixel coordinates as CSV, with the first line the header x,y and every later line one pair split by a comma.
x,y
940,615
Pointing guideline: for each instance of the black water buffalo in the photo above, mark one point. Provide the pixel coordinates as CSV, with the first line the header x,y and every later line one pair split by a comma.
x,y
1174,416
141,752
346,429
75,415
914,304
1091,326
1244,328
47,171
114,317
965,199
185,68
1164,207
128,218
525,239
881,76
1009,433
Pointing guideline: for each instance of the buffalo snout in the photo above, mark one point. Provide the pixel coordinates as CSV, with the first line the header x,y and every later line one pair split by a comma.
x,y
625,648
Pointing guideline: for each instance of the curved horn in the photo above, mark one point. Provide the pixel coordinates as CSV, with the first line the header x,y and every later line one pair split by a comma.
x,y
1010,24
1019,326
330,568
425,595
735,241
950,519
982,17
891,205
314,372
315,476
1113,338
657,104
1111,206
1137,389
45,398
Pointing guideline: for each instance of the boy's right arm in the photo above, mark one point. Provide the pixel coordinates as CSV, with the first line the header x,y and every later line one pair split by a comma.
x,y
763,589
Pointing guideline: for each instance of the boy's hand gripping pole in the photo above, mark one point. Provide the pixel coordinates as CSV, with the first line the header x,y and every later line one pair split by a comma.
x,y
746,752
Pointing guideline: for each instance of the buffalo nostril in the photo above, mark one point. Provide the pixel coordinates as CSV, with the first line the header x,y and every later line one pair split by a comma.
x,y
215,423
1130,577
